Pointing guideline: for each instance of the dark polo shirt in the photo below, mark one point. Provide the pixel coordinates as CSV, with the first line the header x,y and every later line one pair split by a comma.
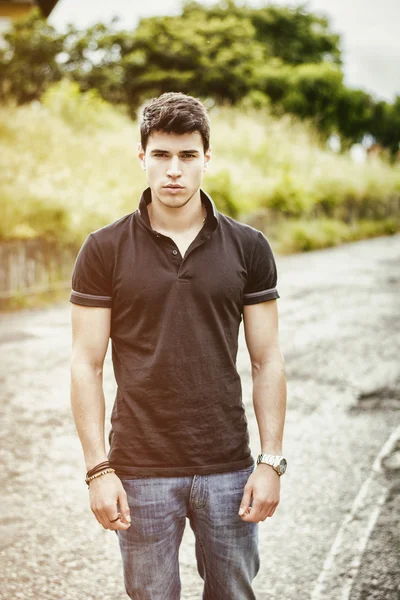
x,y
174,330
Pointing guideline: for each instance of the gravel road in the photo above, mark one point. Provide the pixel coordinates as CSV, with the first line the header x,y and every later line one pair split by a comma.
x,y
340,335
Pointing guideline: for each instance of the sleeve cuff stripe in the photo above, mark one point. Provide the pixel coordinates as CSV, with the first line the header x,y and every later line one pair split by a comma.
x,y
256,294
90,296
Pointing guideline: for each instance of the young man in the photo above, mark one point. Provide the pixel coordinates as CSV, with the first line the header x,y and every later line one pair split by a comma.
x,y
170,283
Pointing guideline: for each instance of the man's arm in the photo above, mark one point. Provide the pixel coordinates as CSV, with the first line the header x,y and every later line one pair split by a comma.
x,y
90,336
269,400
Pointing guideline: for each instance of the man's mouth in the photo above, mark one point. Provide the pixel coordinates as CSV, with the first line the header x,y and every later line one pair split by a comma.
x,y
174,186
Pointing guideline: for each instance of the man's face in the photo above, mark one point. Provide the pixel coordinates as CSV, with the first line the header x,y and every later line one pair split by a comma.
x,y
174,166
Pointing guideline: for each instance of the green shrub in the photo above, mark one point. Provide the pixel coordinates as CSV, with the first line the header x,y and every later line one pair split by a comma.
x,y
303,236
288,196
220,187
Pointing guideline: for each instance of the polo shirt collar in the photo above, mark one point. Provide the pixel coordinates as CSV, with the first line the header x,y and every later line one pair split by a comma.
x,y
212,221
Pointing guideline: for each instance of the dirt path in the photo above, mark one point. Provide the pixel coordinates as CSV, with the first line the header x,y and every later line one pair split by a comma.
x,y
339,330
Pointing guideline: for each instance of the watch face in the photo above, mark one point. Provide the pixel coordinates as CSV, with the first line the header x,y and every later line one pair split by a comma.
x,y
282,465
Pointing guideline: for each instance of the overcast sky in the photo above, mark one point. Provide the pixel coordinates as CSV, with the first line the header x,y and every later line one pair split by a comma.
x,y
369,30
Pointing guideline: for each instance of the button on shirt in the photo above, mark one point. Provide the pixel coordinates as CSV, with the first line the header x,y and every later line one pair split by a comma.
x,y
174,330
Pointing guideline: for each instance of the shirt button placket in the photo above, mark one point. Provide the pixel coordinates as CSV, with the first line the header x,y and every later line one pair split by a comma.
x,y
176,260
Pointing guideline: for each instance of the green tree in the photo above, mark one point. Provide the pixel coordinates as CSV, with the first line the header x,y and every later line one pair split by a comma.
x,y
385,124
28,59
293,34
354,112
312,92
215,57
93,59
296,35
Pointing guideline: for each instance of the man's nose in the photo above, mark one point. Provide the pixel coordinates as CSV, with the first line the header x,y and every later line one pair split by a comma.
x,y
174,168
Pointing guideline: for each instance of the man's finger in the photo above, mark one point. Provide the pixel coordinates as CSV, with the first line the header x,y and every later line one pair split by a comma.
x,y
124,506
100,518
117,518
119,523
246,499
273,509
255,514
109,512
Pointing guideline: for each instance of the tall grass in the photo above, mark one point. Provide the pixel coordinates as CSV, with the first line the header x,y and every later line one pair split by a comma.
x,y
68,165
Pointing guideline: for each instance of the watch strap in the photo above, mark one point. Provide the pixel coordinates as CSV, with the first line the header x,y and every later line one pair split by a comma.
x,y
273,460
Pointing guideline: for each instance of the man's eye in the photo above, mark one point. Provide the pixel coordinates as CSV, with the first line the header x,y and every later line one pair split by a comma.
x,y
159,154
188,155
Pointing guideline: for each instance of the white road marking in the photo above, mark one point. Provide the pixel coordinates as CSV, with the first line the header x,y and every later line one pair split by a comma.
x,y
344,558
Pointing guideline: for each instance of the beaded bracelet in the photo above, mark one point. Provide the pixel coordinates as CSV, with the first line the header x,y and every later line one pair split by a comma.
x,y
99,467
89,479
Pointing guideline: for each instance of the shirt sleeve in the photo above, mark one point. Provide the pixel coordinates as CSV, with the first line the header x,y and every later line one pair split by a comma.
x,y
90,284
262,277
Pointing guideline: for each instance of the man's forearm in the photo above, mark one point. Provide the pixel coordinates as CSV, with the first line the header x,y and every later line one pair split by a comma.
x,y
269,400
88,409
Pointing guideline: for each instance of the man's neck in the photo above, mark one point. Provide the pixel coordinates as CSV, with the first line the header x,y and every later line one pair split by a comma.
x,y
176,220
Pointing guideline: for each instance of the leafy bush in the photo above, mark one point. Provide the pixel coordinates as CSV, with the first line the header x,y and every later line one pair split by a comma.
x,y
304,236
220,187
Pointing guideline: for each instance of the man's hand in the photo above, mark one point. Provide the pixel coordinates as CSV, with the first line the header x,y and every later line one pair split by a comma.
x,y
106,495
263,487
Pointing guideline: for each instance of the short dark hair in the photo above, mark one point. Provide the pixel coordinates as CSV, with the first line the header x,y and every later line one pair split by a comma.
x,y
175,112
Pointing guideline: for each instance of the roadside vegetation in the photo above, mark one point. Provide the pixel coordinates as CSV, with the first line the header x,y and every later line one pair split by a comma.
x,y
284,57
68,166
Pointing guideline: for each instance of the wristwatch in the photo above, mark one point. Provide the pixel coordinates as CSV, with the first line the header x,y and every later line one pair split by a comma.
x,y
279,463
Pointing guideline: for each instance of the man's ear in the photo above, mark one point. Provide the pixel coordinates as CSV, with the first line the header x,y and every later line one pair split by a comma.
x,y
207,158
141,155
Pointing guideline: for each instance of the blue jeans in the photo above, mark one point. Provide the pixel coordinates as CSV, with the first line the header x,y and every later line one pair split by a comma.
x,y
226,547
